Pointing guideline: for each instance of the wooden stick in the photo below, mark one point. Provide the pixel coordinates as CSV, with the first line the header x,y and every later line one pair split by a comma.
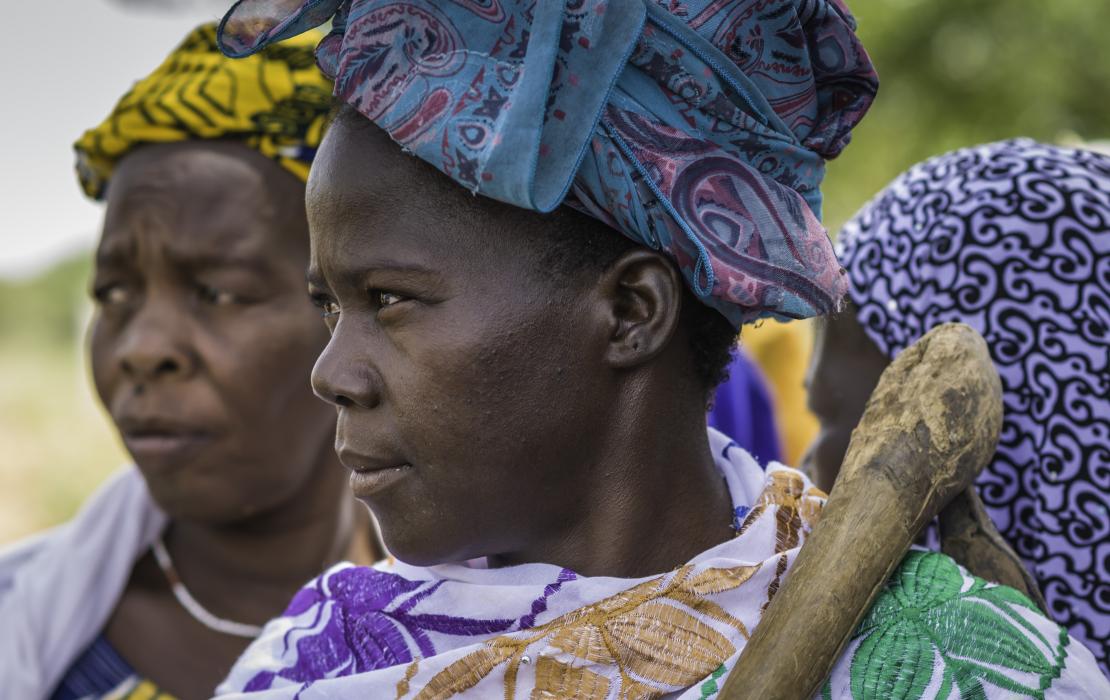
x,y
930,426
968,536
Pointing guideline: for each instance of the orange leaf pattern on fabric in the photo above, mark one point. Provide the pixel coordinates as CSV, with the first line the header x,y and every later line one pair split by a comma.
x,y
464,674
538,631
651,633
556,680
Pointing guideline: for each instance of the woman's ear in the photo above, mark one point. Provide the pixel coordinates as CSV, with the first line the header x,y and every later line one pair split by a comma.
x,y
641,295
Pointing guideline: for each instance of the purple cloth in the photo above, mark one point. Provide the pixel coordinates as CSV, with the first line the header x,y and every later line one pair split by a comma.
x,y
743,410
1013,239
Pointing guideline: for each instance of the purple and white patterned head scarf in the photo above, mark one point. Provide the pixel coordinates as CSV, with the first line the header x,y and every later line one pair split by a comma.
x,y
699,128
1013,238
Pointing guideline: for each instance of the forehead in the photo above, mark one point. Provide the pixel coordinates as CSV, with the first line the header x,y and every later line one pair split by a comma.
x,y
368,199
208,198
360,170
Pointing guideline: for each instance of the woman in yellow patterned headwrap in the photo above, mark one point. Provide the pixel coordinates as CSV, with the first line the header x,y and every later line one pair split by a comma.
x,y
277,103
201,350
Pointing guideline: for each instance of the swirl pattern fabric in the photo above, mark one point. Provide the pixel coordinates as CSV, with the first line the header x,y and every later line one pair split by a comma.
x,y
700,129
276,103
1013,238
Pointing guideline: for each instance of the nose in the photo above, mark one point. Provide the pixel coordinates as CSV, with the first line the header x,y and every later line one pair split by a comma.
x,y
342,379
153,348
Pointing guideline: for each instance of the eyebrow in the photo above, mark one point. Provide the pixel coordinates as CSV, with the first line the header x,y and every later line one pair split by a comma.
x,y
315,276
114,255
113,258
119,255
194,261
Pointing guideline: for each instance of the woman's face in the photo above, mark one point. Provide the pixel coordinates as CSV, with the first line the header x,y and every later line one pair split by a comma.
x,y
465,379
204,339
845,369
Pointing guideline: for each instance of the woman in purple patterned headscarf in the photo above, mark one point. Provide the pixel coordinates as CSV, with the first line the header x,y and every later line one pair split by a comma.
x,y
1012,238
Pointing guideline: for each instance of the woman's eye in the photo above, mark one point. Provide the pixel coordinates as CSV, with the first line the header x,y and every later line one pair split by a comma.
x,y
329,308
387,299
214,296
111,294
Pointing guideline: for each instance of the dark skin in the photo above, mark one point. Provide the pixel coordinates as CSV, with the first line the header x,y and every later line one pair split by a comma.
x,y
490,409
845,369
201,349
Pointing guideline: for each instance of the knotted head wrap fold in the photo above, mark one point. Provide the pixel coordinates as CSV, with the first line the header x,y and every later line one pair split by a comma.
x,y
700,129
276,102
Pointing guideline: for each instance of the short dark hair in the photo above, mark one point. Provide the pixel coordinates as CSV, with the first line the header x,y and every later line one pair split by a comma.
x,y
585,244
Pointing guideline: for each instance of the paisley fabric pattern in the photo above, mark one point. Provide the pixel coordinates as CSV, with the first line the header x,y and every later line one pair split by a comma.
x,y
1013,238
276,103
699,128
539,631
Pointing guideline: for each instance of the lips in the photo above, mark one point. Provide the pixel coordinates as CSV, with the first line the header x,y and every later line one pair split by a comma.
x,y
159,441
371,475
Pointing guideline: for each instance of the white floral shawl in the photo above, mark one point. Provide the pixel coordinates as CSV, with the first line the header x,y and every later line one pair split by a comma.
x,y
538,631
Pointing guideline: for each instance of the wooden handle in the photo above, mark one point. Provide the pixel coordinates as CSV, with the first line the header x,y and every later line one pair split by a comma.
x,y
930,426
968,536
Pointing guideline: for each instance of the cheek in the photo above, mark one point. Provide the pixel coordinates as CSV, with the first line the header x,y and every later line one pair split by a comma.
x,y
498,379
266,361
101,347
495,415
261,373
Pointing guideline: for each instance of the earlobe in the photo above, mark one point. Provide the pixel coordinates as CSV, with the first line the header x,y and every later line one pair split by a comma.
x,y
643,294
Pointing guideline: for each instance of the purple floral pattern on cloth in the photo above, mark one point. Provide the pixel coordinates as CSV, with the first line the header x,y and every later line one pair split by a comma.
x,y
540,631
1013,238
397,626
369,625
698,128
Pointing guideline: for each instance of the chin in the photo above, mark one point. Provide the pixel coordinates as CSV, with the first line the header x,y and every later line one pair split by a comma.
x,y
205,502
426,548
415,554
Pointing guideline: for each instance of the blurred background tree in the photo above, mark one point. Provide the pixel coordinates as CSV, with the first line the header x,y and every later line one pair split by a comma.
x,y
954,73
959,72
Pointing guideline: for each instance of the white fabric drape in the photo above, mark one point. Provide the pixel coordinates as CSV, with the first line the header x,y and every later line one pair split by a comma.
x,y
58,590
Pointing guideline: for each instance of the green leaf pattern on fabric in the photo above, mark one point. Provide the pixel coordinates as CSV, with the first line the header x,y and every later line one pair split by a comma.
x,y
935,618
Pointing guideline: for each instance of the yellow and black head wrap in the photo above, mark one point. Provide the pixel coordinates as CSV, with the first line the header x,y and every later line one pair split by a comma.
x,y
276,102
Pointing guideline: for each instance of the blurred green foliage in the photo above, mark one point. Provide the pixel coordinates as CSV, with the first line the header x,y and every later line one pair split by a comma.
x,y
47,309
954,73
55,443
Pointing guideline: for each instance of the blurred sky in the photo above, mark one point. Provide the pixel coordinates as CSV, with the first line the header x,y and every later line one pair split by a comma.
x,y
64,63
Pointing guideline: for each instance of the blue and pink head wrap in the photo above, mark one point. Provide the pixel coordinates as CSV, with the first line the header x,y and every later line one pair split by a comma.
x,y
699,128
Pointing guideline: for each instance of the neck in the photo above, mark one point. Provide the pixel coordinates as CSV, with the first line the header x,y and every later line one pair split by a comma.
x,y
247,571
656,499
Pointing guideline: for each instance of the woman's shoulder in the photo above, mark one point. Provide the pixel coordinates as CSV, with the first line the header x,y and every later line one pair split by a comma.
x,y
122,495
15,556
937,631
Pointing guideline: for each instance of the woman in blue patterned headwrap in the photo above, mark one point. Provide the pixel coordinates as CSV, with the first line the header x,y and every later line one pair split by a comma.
x,y
702,132
525,391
